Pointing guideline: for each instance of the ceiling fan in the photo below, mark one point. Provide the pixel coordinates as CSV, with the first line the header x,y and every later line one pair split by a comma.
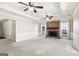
x,y
50,17
31,5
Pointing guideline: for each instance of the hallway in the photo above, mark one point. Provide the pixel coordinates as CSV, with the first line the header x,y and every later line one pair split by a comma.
x,y
39,47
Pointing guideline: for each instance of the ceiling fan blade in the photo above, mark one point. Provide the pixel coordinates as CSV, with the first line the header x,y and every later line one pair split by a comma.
x,y
23,3
30,3
35,11
51,16
26,9
41,7
47,16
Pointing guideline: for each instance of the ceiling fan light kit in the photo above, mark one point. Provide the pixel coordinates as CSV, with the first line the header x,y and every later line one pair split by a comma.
x,y
50,17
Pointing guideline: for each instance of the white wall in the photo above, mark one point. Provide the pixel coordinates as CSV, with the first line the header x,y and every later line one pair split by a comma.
x,y
76,28
26,25
26,30
20,29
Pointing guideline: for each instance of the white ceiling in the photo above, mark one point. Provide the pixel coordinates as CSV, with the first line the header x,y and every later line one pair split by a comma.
x,y
57,9
67,9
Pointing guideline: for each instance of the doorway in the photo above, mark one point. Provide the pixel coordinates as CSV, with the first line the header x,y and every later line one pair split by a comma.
x,y
7,30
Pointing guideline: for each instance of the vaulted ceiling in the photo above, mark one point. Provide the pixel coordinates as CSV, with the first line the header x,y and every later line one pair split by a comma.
x,y
57,9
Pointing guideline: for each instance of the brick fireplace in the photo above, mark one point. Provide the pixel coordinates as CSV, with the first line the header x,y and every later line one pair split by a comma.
x,y
53,28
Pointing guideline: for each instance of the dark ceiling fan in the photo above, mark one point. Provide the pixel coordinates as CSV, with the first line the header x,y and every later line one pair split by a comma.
x,y
30,4
50,17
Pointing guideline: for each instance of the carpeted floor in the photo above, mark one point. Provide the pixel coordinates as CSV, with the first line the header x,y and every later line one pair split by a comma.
x,y
39,47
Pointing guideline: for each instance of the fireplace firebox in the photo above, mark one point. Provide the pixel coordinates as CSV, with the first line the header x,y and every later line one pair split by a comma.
x,y
53,33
